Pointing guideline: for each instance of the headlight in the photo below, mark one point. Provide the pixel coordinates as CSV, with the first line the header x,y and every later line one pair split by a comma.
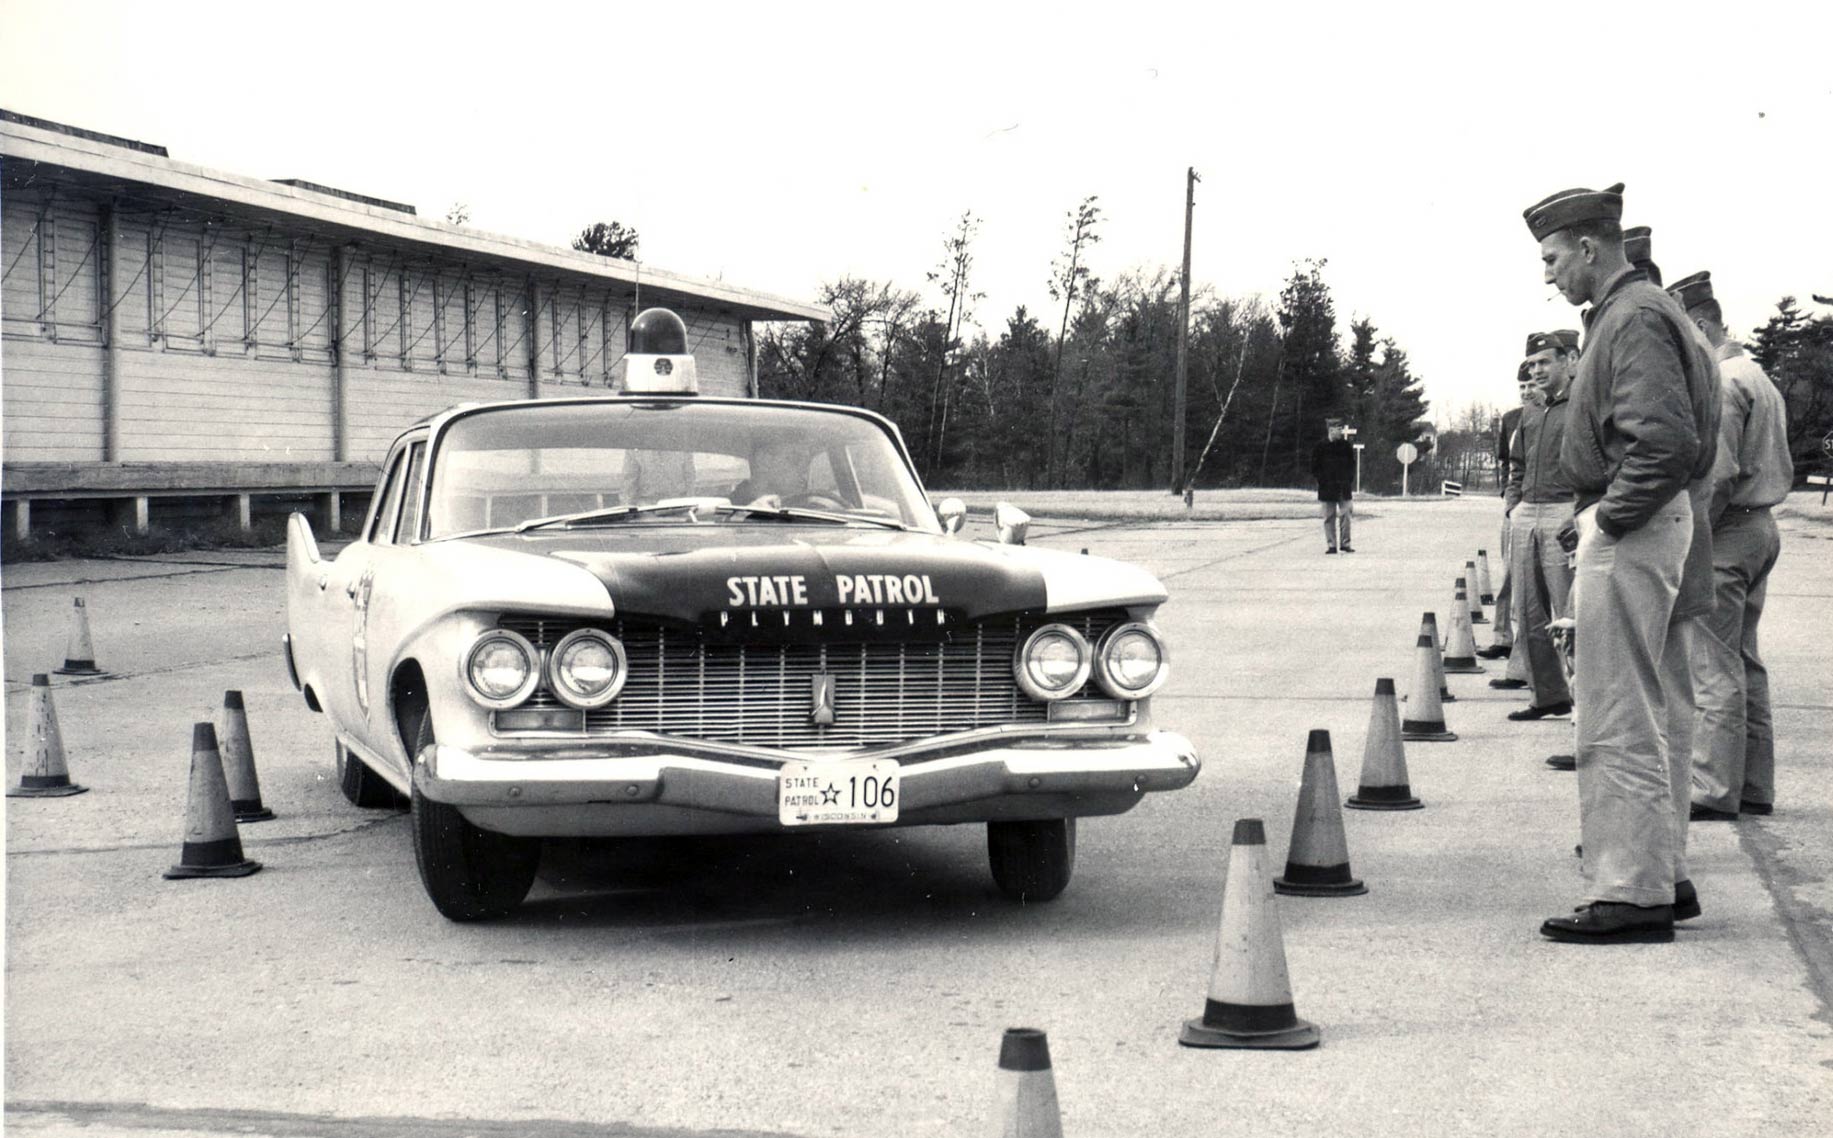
x,y
500,669
1053,662
587,668
1132,662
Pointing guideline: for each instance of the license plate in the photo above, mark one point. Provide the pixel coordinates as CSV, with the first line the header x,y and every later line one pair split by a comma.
x,y
844,792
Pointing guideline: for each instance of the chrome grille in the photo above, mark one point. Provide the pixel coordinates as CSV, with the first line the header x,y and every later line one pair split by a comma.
x,y
761,695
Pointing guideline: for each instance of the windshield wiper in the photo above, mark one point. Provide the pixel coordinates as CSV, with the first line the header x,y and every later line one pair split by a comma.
x,y
609,513
799,514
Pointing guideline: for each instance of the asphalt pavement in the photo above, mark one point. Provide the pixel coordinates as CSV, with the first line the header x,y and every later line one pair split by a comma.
x,y
851,983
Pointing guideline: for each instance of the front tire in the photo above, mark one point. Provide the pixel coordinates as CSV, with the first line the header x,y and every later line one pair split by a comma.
x,y
471,874
362,786
1033,860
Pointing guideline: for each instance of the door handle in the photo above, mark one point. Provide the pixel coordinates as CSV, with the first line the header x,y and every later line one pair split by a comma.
x,y
350,589
323,580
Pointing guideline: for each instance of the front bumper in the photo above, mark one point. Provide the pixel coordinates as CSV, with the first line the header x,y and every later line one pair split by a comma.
x,y
665,792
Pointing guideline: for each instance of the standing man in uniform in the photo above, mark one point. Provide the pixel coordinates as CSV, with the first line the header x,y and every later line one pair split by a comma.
x,y
1503,641
1639,410
1734,744
1543,507
1333,462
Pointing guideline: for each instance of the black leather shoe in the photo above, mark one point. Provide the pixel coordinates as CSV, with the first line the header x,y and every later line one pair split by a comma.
x,y
1686,901
1748,807
1563,762
1349,549
1506,684
1564,707
1329,552
1611,922
1495,651
1700,813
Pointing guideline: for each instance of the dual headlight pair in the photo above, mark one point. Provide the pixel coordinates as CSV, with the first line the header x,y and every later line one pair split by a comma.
x,y
585,670
1130,662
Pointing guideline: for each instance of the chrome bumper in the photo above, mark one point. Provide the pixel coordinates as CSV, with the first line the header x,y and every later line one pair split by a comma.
x,y
1023,778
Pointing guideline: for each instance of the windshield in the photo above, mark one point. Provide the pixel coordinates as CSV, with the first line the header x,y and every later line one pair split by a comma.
x,y
498,468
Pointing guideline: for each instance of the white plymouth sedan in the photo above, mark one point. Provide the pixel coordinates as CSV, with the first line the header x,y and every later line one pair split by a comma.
x,y
664,614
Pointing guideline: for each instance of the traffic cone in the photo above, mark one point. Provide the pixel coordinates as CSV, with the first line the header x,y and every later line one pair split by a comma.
x,y
212,846
79,653
1488,595
43,774
239,762
1461,642
1476,604
1317,862
1428,626
1025,1094
1425,721
1384,758
1250,995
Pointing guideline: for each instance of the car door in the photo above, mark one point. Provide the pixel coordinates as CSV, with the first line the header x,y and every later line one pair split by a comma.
x,y
344,588
386,580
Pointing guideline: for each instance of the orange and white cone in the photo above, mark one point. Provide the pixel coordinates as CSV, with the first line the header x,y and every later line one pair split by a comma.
x,y
1486,594
1428,626
1461,642
79,652
1476,604
1425,721
1317,862
1384,758
43,774
1025,1095
239,762
212,846
1249,1004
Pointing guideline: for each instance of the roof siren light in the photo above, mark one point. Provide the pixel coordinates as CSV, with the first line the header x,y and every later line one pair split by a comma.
x,y
658,362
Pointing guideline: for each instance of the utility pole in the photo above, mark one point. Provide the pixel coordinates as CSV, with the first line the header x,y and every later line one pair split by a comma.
x,y
1183,339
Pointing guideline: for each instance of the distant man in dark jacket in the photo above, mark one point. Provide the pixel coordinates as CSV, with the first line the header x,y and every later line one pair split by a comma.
x,y
1643,410
1333,463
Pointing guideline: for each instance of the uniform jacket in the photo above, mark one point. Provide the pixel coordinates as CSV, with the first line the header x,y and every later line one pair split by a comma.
x,y
1534,473
1511,422
1333,461
1754,468
1643,422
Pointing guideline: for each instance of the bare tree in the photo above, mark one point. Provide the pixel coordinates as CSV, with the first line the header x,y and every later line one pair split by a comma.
x,y
952,277
1069,277
459,213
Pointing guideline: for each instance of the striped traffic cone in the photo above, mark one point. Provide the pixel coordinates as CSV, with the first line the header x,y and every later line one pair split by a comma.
x,y
1476,604
43,774
1317,862
239,762
1488,596
1425,719
212,846
79,653
1428,626
1250,995
1461,642
1384,758
1025,1095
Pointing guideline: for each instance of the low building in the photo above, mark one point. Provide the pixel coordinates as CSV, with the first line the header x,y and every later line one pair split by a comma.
x,y
170,333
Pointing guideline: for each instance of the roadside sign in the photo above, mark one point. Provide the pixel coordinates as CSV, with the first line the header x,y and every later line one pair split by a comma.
x,y
1406,453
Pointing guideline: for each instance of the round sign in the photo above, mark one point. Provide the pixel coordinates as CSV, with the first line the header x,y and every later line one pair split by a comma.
x,y
1406,453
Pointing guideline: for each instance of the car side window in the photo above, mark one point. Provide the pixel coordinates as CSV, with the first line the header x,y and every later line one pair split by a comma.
x,y
409,525
382,521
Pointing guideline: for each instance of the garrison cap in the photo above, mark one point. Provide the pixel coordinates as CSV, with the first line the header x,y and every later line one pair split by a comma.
x,y
1541,341
1568,338
1692,291
1521,375
1571,207
1636,246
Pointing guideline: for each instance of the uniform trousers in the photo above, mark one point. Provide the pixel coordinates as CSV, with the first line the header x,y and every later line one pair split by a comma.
x,y
1504,631
1335,514
1734,750
1542,594
1681,712
1623,601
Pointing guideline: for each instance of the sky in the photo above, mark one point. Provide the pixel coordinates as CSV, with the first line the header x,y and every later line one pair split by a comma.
x,y
780,146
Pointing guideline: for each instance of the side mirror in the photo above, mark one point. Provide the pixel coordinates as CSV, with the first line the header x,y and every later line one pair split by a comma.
x,y
952,512
1012,523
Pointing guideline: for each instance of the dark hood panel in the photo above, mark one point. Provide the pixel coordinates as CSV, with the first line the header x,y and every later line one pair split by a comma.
x,y
694,575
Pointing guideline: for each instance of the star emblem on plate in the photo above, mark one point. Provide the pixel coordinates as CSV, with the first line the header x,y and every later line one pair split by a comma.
x,y
830,794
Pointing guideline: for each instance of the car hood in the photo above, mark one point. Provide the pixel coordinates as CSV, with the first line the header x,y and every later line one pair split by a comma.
x,y
693,574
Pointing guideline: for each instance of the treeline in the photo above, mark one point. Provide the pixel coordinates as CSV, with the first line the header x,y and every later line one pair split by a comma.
x,y
1083,396
1796,351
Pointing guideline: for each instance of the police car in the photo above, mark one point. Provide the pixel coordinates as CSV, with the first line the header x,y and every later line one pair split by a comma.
x,y
663,614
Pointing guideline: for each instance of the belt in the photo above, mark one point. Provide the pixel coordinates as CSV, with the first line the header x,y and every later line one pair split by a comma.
x,y
1737,509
